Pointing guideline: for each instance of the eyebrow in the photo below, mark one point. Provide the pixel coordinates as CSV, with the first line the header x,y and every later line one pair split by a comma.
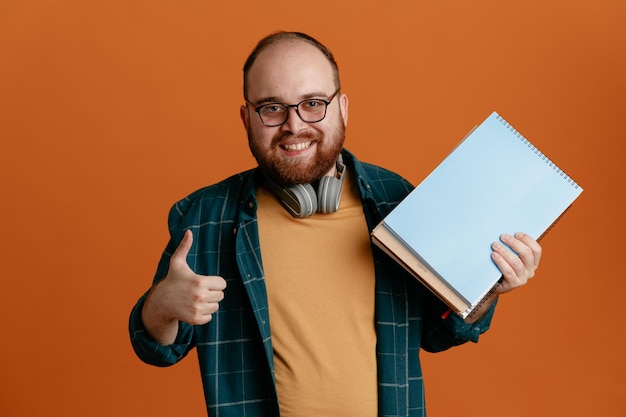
x,y
274,99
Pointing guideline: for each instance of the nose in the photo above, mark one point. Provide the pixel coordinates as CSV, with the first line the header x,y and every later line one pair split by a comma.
x,y
294,123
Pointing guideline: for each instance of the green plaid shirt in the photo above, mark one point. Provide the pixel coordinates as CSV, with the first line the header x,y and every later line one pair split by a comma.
x,y
235,348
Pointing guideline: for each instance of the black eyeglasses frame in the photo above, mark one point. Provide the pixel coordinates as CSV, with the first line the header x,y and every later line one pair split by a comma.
x,y
326,102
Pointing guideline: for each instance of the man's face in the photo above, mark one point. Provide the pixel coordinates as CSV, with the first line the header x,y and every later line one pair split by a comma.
x,y
296,152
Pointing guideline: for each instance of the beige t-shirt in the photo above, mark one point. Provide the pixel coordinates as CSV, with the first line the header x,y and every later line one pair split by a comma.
x,y
320,282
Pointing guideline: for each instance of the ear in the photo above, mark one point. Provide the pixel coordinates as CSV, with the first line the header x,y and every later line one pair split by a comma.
x,y
343,108
245,116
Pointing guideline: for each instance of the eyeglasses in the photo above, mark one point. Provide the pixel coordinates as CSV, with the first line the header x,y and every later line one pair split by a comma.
x,y
311,110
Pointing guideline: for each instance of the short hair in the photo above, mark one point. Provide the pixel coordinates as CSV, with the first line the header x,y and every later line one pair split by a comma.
x,y
282,36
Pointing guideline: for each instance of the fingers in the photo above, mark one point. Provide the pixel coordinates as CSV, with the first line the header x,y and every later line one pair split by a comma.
x,y
518,258
181,252
534,247
205,299
207,289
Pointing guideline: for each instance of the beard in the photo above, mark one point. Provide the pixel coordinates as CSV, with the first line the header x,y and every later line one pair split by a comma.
x,y
289,171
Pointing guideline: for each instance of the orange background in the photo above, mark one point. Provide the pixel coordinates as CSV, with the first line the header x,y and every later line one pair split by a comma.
x,y
112,110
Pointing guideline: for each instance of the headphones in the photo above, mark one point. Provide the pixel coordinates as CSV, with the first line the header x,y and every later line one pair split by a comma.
x,y
302,200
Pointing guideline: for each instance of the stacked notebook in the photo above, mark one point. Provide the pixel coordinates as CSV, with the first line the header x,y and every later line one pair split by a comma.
x,y
495,181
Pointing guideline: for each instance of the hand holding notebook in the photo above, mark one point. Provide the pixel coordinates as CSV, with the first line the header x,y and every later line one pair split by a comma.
x,y
495,181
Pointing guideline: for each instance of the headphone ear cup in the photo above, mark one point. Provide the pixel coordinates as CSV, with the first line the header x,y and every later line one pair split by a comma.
x,y
329,189
300,200
329,194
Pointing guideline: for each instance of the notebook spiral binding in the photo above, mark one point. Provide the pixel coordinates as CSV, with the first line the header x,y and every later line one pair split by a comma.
x,y
537,151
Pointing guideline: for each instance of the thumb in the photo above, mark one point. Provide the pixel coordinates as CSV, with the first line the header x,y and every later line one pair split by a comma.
x,y
181,252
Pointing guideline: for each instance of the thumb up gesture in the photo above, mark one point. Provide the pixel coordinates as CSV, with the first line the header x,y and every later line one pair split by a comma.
x,y
182,295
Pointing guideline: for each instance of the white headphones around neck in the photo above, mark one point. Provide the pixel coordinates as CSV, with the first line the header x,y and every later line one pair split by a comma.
x,y
302,200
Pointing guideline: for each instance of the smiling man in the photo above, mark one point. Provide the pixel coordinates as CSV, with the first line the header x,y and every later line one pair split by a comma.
x,y
271,274
294,144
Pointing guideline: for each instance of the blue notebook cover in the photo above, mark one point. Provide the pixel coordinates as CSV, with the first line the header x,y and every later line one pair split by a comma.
x,y
495,181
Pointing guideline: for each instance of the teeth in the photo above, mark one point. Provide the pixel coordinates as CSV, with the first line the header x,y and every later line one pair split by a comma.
x,y
297,146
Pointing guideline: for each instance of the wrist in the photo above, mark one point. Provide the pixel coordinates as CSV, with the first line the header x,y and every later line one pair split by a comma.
x,y
162,327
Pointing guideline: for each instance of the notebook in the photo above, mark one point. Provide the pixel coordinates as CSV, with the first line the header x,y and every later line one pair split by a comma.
x,y
495,181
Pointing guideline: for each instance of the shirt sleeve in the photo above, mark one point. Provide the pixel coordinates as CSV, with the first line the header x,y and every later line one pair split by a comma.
x,y
150,351
443,330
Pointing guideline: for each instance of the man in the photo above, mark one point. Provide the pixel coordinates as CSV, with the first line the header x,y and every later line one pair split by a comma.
x,y
271,274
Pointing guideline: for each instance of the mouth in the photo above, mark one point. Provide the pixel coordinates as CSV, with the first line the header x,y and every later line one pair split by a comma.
x,y
300,146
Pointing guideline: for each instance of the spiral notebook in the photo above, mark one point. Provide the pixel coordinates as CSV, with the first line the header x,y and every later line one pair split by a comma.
x,y
495,181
